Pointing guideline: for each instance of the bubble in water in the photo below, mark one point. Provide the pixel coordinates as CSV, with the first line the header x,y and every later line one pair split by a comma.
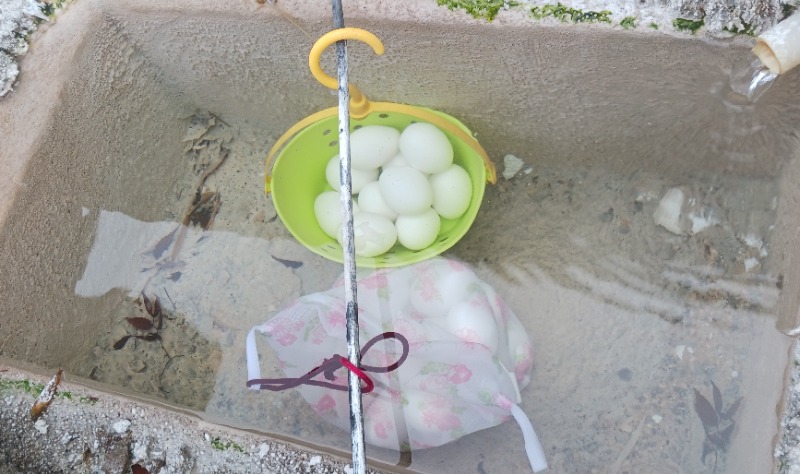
x,y
749,78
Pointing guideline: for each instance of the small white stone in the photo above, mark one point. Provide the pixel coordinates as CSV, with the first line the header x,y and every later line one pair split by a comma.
x,y
657,418
121,426
679,351
702,221
314,460
668,212
139,451
84,211
41,426
735,374
348,469
511,166
263,450
750,263
751,240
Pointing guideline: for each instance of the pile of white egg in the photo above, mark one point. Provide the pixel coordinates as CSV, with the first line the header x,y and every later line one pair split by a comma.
x,y
406,183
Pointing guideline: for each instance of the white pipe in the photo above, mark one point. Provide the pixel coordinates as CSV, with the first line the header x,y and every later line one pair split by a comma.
x,y
779,47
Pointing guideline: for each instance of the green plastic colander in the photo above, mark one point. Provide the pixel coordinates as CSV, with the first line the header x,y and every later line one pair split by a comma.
x,y
296,176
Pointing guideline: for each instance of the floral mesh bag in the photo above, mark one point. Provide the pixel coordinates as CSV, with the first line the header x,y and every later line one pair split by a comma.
x,y
445,354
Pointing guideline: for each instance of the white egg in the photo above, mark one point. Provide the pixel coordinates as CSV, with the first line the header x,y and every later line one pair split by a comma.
x,y
358,178
371,200
374,234
379,424
328,209
433,295
426,148
405,190
419,426
398,160
473,321
418,231
519,345
372,146
452,192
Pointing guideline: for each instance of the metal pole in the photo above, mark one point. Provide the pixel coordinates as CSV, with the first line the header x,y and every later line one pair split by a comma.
x,y
348,242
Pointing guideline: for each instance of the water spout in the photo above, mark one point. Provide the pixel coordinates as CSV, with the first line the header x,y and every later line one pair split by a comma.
x,y
777,51
779,47
749,79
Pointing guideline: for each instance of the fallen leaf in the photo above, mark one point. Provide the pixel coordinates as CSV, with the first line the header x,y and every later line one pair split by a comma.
x,y
143,324
148,305
46,397
717,398
156,308
121,343
725,435
164,244
705,411
289,263
204,210
139,469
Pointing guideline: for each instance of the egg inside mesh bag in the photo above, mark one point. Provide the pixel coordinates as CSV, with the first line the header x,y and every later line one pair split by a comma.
x,y
468,355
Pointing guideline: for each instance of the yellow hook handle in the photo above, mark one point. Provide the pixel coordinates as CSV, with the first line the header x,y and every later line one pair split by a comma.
x,y
359,105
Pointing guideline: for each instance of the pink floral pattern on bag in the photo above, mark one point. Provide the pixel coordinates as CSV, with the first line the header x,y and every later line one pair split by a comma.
x,y
375,281
428,290
336,318
459,374
325,405
450,385
435,383
284,330
438,413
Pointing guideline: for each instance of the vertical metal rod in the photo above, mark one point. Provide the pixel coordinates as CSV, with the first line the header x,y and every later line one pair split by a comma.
x,y
348,244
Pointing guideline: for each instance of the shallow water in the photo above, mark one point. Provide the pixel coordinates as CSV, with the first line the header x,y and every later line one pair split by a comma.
x,y
633,326
627,319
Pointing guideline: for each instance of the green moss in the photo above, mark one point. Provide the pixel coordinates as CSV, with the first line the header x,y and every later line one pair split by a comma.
x,y
217,443
49,9
87,400
35,389
746,29
683,24
486,9
628,22
567,14
22,385
52,7
653,26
